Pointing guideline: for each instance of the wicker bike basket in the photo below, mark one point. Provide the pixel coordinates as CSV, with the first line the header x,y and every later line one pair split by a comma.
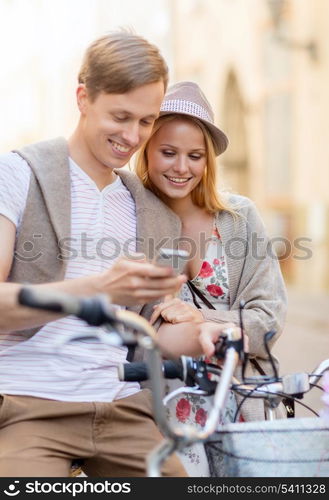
x,y
297,447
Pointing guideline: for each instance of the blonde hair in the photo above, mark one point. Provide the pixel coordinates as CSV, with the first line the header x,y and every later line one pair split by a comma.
x,y
205,194
119,62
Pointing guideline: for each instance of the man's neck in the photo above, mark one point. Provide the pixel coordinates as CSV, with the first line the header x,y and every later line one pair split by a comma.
x,y
100,174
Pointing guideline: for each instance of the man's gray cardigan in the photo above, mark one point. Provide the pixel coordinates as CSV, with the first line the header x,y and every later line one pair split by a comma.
x,y
46,222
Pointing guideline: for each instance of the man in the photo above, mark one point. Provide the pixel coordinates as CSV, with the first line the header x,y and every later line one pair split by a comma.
x,y
65,217
58,201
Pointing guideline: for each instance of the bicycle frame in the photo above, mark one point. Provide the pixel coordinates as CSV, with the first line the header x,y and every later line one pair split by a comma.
x,y
176,437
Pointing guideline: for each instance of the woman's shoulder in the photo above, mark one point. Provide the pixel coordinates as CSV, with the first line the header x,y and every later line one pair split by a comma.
x,y
242,210
237,203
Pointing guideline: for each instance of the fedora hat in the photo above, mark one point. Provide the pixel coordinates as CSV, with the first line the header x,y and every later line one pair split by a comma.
x,y
186,98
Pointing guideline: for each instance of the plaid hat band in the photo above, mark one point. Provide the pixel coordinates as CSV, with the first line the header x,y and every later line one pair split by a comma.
x,y
186,107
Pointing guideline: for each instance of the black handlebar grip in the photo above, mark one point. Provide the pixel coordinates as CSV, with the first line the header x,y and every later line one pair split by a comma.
x,y
47,300
133,372
173,369
94,310
138,371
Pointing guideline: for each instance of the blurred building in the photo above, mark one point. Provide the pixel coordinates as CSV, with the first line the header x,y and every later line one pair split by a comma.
x,y
41,46
264,65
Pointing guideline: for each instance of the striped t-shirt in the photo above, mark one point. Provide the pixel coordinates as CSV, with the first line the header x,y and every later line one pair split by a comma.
x,y
103,226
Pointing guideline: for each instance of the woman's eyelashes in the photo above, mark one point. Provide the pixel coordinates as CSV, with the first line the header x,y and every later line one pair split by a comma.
x,y
192,156
167,153
196,156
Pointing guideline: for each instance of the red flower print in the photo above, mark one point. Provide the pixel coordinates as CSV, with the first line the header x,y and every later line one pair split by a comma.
x,y
216,233
206,270
183,409
214,290
215,262
201,417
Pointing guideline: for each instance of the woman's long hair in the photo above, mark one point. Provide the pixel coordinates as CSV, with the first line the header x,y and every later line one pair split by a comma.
x,y
205,194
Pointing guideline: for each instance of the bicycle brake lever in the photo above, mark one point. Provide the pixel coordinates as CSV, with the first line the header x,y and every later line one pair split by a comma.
x,y
203,381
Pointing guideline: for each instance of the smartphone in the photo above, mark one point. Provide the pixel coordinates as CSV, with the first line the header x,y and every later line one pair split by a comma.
x,y
171,257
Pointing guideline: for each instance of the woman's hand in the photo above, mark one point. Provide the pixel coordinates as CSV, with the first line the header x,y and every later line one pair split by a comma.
x,y
211,332
174,310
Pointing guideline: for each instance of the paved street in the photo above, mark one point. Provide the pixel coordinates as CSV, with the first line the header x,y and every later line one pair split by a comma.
x,y
305,340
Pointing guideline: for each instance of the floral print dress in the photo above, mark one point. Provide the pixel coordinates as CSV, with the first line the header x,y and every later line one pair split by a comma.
x,y
212,281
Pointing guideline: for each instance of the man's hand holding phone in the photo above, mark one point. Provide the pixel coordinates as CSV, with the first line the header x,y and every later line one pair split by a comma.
x,y
172,257
173,309
136,280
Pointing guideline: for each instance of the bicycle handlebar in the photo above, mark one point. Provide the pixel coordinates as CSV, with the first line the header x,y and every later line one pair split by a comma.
x,y
97,311
138,371
94,310
187,369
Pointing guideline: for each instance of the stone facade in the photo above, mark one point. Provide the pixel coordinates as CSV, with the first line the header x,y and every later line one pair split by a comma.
x,y
268,78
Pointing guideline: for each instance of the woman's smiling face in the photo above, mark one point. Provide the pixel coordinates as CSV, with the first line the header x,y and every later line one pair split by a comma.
x,y
177,158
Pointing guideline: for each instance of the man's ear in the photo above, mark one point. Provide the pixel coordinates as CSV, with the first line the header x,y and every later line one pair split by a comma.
x,y
82,98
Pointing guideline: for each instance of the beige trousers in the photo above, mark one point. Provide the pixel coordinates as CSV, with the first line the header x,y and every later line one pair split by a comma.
x,y
41,437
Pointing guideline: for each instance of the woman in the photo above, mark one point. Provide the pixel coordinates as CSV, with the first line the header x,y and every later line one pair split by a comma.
x,y
231,258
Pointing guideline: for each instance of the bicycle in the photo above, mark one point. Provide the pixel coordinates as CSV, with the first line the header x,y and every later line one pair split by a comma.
x,y
267,448
195,373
